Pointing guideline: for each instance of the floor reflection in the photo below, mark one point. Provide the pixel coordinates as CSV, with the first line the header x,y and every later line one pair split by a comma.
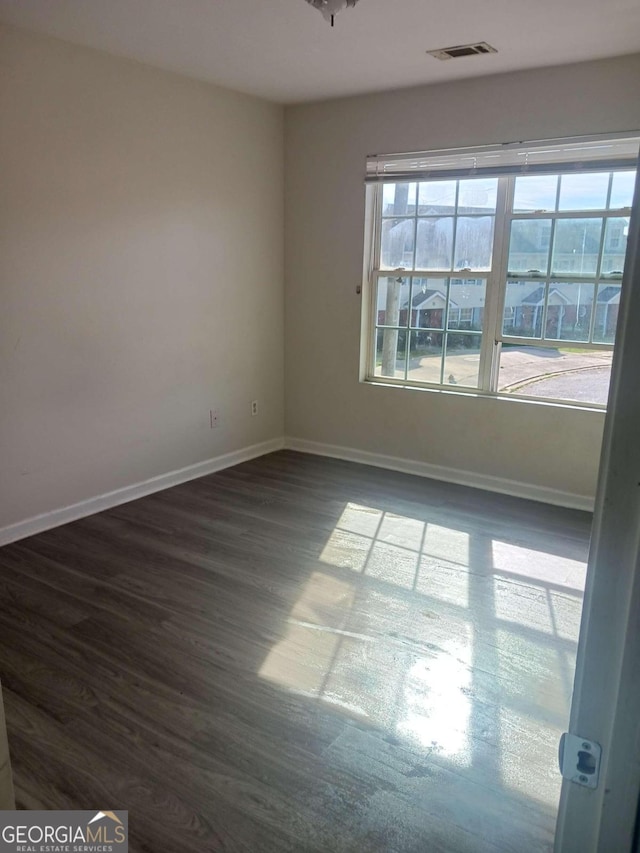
x,y
455,642
436,705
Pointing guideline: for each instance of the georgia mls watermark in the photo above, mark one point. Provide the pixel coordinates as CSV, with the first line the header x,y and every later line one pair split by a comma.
x,y
64,832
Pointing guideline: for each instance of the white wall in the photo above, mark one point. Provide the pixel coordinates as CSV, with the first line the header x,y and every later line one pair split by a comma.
x,y
141,281
326,145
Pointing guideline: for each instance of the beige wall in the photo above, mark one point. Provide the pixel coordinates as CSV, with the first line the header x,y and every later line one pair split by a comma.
x,y
326,145
141,281
141,236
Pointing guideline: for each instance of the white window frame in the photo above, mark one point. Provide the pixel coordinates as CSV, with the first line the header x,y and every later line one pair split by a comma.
x,y
498,276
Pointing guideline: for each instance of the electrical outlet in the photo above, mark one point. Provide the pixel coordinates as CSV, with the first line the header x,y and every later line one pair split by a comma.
x,y
254,407
214,418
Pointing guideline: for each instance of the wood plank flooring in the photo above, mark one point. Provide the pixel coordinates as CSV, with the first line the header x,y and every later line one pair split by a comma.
x,y
298,654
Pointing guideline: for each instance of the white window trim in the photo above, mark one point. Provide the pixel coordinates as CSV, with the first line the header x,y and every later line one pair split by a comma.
x,y
496,278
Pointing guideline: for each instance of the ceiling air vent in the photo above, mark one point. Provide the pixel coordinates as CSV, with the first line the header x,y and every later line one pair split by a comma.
x,y
462,50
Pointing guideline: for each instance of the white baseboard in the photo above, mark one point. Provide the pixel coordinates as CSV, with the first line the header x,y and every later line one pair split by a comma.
x,y
55,518
449,475
39,523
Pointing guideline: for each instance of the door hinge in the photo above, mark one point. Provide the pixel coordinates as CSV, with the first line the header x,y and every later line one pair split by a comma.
x,y
579,760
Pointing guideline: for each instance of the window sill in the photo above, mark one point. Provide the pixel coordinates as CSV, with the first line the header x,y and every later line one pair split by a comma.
x,y
487,395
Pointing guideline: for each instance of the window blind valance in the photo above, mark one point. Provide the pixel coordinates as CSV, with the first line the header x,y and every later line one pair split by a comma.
x,y
512,158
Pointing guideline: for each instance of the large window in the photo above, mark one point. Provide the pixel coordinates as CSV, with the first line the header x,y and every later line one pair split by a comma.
x,y
499,274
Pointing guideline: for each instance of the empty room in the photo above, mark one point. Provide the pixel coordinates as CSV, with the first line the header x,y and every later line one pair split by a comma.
x,y
319,471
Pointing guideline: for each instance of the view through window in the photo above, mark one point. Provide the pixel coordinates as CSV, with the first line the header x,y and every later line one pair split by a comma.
x,y
507,284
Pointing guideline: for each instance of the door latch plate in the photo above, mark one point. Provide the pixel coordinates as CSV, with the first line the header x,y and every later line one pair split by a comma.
x,y
579,760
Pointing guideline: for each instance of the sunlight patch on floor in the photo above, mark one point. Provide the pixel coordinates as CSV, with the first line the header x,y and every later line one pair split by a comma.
x,y
389,546
523,735
449,584
538,565
460,645
530,608
435,707
423,698
392,564
447,543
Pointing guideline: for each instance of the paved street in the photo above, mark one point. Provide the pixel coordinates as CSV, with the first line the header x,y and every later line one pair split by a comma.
x,y
520,364
530,371
588,386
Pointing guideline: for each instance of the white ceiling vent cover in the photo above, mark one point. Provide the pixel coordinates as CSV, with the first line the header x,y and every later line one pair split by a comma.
x,y
460,50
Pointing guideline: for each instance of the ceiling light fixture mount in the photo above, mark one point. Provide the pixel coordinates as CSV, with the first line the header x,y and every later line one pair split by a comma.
x,y
330,8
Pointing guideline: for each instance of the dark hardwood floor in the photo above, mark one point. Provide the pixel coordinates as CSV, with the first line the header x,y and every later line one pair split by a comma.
x,y
298,654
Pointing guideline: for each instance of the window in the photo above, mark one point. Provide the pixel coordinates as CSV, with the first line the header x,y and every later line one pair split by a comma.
x,y
499,270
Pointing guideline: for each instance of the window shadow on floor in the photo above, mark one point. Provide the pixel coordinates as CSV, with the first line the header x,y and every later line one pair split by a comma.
x,y
299,654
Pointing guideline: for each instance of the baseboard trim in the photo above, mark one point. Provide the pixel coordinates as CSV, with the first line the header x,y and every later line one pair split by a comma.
x,y
57,517
449,475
